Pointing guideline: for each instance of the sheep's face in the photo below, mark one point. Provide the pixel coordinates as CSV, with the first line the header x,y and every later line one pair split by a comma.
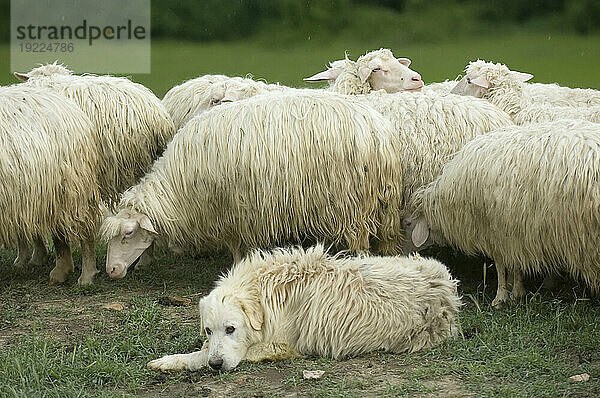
x,y
475,86
228,329
485,77
419,236
134,234
390,74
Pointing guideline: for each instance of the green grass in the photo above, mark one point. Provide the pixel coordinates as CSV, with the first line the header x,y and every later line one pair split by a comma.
x,y
564,58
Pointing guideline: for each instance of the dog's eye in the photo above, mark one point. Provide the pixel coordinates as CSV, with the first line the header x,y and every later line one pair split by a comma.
x,y
127,234
230,329
208,331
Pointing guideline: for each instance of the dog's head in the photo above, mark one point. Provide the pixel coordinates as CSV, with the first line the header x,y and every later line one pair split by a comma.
x,y
231,325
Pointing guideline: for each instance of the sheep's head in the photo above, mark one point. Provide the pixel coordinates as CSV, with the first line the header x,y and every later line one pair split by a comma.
x,y
44,71
483,78
128,233
383,71
419,235
379,68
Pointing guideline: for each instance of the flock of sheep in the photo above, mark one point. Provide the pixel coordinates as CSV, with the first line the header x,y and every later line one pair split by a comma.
x,y
378,162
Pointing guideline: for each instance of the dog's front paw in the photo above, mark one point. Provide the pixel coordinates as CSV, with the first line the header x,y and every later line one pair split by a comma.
x,y
167,363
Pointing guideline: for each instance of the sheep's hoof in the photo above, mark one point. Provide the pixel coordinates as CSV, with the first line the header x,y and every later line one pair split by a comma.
x,y
500,302
57,278
86,280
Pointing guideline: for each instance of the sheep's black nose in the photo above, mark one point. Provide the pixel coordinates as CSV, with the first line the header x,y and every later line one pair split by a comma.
x,y
215,363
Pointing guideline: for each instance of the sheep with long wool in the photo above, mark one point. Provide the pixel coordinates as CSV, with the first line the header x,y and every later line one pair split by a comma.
x,y
432,128
270,169
47,177
506,89
130,130
376,70
198,95
131,125
525,196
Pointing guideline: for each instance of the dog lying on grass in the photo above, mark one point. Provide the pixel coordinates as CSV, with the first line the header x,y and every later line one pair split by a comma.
x,y
295,302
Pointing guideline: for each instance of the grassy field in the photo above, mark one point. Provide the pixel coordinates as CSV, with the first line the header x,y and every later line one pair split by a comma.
x,y
566,59
59,342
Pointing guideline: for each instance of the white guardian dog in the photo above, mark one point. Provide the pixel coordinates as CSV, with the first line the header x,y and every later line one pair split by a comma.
x,y
292,302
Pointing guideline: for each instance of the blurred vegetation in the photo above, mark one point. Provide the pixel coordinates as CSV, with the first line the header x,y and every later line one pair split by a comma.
x,y
425,20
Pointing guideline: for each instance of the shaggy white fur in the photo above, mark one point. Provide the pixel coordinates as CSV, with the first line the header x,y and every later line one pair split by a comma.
x,y
271,169
431,128
507,90
292,302
527,197
195,96
131,126
48,175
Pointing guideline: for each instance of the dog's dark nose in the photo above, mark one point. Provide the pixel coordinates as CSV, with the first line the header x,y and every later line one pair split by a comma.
x,y
216,363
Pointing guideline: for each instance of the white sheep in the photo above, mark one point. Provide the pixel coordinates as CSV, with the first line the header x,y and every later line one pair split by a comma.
x,y
47,177
525,196
506,89
432,128
131,127
376,70
270,169
195,96
294,302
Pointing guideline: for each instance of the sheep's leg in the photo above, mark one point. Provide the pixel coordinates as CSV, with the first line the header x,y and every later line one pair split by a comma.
x,y
23,253
40,253
146,258
193,361
518,290
237,251
271,352
64,260
88,262
502,292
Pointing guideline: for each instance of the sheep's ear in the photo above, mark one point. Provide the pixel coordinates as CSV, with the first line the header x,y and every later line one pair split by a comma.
x,y
364,73
329,74
21,76
481,81
420,233
522,76
405,61
146,224
254,313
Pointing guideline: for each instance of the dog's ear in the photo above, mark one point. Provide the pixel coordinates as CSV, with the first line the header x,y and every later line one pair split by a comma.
x,y
254,312
200,309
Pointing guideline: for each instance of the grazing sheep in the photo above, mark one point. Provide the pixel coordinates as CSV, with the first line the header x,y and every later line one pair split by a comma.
x,y
131,127
506,89
526,196
274,168
195,96
376,70
291,302
47,177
